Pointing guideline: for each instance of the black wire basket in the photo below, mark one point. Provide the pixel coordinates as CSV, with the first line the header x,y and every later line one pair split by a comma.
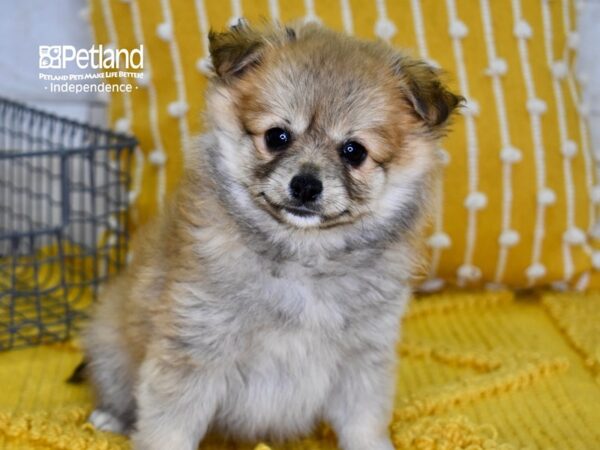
x,y
63,220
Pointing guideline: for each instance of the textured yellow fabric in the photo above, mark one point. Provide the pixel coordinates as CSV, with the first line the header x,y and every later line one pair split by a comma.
x,y
478,371
519,142
577,321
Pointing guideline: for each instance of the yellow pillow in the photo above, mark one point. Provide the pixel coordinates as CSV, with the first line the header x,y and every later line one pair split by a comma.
x,y
520,183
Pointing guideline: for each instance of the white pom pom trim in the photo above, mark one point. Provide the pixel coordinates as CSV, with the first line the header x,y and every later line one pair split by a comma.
x,y
569,148
536,106
469,272
509,238
523,30
204,66
595,194
596,260
583,282
122,125
144,79
236,21
511,155
497,67
444,156
536,270
113,223
177,109
546,196
559,69
157,158
470,108
574,236
458,29
432,285
439,240
433,63
312,19
112,239
132,196
476,201
595,231
385,28
164,31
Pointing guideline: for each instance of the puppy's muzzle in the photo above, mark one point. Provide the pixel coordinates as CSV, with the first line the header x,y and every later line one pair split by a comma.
x,y
305,188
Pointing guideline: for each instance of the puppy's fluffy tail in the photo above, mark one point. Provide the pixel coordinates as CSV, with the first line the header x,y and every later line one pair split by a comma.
x,y
79,375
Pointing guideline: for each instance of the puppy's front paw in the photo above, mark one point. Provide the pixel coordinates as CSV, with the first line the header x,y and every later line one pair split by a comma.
x,y
105,421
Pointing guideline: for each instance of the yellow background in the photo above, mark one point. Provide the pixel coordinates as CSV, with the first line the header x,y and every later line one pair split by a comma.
x,y
188,40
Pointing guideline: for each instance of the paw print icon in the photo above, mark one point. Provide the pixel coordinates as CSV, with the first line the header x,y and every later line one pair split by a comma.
x,y
50,57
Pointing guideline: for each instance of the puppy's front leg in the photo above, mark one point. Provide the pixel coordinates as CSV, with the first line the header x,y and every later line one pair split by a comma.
x,y
175,406
360,406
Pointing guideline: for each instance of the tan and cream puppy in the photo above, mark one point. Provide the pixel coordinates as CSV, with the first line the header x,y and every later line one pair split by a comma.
x,y
268,295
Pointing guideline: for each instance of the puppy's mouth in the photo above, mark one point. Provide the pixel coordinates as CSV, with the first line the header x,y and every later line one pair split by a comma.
x,y
300,216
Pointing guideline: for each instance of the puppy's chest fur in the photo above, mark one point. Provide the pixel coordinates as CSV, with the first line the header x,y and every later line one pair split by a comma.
x,y
279,332
246,295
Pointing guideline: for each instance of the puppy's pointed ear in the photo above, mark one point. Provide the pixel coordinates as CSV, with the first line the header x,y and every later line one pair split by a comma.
x,y
430,99
235,50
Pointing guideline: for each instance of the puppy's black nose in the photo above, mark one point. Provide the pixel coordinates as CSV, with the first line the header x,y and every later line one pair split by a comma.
x,y
306,187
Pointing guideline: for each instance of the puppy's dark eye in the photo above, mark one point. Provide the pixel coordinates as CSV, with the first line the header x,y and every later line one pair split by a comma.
x,y
353,153
277,139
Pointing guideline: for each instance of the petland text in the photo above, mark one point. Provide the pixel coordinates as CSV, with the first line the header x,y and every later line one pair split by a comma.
x,y
96,57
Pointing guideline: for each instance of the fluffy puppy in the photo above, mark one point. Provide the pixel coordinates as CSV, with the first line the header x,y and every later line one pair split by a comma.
x,y
268,295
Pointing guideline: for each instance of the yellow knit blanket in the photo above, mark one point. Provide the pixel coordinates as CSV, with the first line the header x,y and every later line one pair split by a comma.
x,y
479,371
